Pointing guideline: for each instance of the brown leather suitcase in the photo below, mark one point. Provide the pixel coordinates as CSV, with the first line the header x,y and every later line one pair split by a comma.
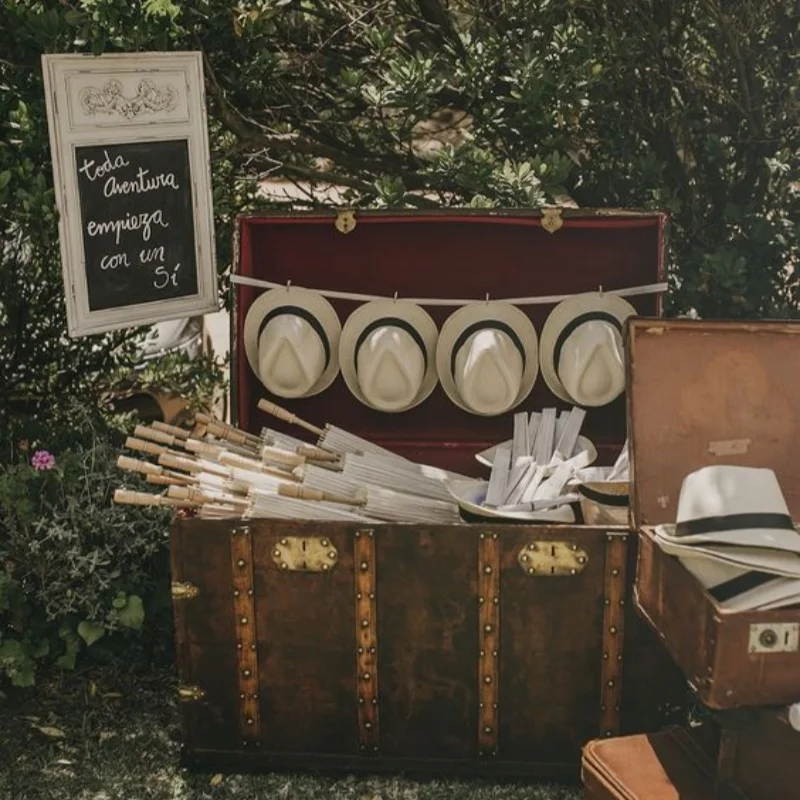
x,y
674,764
422,648
703,393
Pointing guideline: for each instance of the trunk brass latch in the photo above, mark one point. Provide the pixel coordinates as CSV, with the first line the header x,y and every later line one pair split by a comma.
x,y
190,694
551,219
545,559
345,220
305,554
183,591
778,637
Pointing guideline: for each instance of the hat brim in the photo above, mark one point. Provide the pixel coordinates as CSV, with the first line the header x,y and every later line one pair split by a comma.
x,y
313,303
562,316
762,538
416,317
493,311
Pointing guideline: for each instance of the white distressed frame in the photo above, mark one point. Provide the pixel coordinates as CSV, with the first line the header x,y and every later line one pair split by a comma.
x,y
179,112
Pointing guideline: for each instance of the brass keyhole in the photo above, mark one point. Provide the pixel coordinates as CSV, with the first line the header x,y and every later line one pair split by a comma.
x,y
768,638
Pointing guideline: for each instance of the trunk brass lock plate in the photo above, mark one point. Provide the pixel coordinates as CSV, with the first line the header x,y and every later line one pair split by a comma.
x,y
304,554
546,559
778,637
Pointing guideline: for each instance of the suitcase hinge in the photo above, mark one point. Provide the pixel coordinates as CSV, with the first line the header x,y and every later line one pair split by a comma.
x,y
551,219
181,590
345,220
190,694
546,559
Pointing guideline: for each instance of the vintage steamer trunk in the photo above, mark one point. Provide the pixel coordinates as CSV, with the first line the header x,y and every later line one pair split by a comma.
x,y
442,650
730,397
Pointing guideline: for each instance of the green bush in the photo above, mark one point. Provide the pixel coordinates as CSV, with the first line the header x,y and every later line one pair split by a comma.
x,y
77,570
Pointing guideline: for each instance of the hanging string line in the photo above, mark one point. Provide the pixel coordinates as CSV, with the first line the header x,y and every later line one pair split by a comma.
x,y
651,288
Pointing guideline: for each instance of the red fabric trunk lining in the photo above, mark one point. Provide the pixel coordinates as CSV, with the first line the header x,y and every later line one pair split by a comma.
x,y
442,256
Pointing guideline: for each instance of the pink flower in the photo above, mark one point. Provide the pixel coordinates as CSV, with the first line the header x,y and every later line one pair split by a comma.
x,y
43,460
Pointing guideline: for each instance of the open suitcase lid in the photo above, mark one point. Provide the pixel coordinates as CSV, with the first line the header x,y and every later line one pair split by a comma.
x,y
703,393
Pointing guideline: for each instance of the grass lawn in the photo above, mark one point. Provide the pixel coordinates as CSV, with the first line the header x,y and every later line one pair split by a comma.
x,y
112,736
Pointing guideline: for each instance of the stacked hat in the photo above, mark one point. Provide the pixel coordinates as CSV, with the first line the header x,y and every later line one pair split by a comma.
x,y
734,532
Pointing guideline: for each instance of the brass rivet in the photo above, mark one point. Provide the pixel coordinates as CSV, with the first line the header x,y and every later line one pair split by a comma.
x,y
235,592
360,650
482,653
249,592
613,629
276,553
494,706
332,554
372,595
326,567
366,676
574,546
361,701
374,701
573,572
606,602
581,559
531,570
531,546
619,657
495,600
358,595
494,536
615,571
243,620
622,602
371,534
239,646
494,653
284,541
324,542
246,673
523,558
487,570
481,599
241,562
482,536
364,566
241,696
605,656
284,565
372,650
487,679
487,628
487,729
365,623
610,684
252,647
249,720
254,696
358,534
480,705
363,746
367,725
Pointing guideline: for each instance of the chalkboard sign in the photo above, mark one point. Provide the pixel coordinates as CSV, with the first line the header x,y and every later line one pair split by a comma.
x,y
131,166
137,222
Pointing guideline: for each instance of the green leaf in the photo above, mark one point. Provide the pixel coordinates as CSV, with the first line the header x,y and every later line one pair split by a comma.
x,y
132,616
5,177
23,676
90,632
120,601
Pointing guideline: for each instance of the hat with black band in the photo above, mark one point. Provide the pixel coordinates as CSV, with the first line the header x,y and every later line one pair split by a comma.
x,y
387,354
291,339
487,357
581,348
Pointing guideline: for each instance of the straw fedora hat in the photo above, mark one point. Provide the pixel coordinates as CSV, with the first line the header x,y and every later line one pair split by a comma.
x,y
487,357
387,354
581,349
727,505
291,338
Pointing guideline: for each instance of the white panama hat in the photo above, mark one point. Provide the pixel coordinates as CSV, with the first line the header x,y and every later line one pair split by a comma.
x,y
581,348
487,357
291,338
387,354
732,505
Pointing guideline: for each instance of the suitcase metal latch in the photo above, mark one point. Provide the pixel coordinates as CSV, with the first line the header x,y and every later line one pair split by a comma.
x,y
774,638
190,694
181,590
305,554
545,559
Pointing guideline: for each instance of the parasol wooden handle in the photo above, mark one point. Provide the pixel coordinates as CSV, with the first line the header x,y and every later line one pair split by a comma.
x,y
278,456
151,448
178,433
203,448
145,499
306,493
164,480
179,462
143,432
316,453
198,496
135,465
286,416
